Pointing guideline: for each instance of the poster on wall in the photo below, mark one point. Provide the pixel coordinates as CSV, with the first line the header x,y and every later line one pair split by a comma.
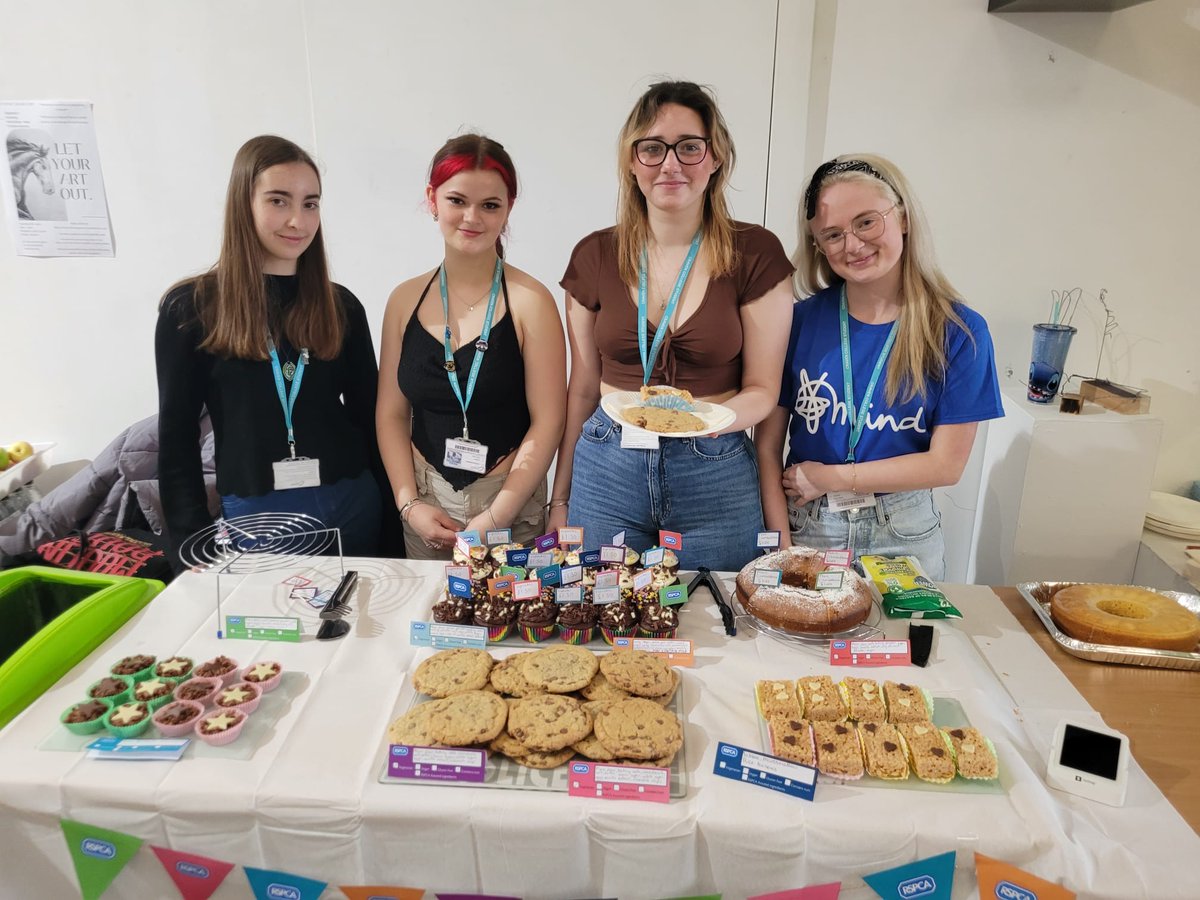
x,y
54,198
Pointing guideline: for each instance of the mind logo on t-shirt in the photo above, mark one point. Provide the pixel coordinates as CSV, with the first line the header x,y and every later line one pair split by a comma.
x,y
816,398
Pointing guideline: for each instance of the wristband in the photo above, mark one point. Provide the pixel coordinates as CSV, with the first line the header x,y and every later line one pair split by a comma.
x,y
407,506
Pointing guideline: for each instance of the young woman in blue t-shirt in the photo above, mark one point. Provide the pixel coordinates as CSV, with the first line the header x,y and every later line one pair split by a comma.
x,y
886,380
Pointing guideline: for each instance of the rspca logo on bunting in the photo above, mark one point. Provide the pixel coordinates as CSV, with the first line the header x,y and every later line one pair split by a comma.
x,y
97,848
921,886
1006,890
282,892
191,870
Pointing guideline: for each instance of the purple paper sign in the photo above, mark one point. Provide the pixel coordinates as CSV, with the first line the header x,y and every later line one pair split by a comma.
x,y
546,541
436,763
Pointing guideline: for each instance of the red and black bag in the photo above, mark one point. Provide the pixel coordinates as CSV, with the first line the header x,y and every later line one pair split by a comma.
x,y
107,553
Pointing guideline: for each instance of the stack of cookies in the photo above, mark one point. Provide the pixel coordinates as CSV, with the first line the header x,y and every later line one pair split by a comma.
x,y
857,727
544,707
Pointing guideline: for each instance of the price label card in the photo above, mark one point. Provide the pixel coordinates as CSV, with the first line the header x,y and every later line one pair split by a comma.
x,y
569,534
609,782
527,590
441,636
459,587
674,650
767,577
605,595
653,556
830,581
515,571
263,628
611,553
550,575
468,538
498,536
517,557
608,578
836,557
459,572
499,585
546,541
765,771
618,539
436,763
572,574
568,595
296,581
672,540
634,438
767,540
539,560
672,595
642,580
869,653
137,748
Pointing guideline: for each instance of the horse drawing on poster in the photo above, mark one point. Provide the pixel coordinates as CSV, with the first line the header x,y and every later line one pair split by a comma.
x,y
26,158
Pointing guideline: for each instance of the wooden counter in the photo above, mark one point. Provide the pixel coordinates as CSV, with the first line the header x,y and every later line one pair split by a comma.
x,y
1159,710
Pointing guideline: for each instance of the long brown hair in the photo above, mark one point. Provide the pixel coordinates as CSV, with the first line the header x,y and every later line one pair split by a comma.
x,y
231,298
633,224
926,295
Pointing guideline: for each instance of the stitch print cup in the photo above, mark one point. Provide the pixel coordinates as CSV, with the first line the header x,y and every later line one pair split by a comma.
x,y
1050,346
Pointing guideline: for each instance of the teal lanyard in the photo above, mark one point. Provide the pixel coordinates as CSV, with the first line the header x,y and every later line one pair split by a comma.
x,y
286,400
664,321
859,419
481,345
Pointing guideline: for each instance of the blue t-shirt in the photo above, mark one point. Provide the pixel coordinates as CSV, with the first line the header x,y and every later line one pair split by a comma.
x,y
812,388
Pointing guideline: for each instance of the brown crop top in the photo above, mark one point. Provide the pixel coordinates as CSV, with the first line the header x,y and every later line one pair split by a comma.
x,y
705,355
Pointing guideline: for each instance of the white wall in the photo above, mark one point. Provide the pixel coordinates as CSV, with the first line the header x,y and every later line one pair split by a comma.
x,y
1051,150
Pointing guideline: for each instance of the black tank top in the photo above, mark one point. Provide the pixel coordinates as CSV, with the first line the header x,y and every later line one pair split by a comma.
x,y
498,414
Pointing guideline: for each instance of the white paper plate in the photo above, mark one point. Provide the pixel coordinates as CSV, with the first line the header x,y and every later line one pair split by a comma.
x,y
1174,511
713,415
26,470
1185,534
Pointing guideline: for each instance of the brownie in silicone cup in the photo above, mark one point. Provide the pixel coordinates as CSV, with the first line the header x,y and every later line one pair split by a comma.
x,y
218,667
177,729
129,665
182,692
250,694
124,721
577,623
177,668
264,675
96,708
113,699
233,720
161,688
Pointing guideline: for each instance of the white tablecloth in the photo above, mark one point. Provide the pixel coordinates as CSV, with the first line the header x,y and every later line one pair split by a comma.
x,y
309,800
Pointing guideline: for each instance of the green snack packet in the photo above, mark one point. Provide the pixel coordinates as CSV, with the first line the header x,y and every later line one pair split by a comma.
x,y
906,592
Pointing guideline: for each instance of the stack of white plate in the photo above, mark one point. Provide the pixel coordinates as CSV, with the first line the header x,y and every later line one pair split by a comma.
x,y
1173,515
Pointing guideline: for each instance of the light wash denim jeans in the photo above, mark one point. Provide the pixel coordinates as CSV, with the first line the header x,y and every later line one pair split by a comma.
x,y
704,488
352,504
906,523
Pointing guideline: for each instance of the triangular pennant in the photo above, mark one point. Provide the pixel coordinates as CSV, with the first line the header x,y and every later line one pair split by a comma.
x,y
271,884
380,892
999,879
195,877
99,855
926,879
813,892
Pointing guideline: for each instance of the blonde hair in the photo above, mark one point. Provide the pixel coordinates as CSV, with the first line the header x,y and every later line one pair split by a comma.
x,y
926,296
633,224
231,298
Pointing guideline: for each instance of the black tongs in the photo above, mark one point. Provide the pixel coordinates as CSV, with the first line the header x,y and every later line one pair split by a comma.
x,y
334,624
705,578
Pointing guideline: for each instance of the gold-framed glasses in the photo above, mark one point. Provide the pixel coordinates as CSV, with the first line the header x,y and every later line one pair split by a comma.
x,y
866,227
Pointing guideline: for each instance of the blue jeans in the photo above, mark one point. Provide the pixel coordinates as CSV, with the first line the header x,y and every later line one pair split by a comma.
x,y
352,504
906,523
704,488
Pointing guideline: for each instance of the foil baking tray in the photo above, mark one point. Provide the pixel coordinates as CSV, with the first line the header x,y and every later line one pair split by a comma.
x,y
1038,593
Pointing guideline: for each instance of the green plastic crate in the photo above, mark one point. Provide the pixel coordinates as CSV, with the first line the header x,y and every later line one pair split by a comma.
x,y
50,619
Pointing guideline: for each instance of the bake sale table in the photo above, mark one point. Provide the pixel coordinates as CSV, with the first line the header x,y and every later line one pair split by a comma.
x,y
309,800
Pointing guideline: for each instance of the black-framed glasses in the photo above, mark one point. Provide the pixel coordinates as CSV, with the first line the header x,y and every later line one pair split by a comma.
x,y
689,151
866,227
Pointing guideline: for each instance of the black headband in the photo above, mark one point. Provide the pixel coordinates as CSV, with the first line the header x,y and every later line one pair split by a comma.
x,y
832,168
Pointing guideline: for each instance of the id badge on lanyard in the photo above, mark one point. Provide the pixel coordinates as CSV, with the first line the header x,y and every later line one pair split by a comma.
x,y
465,453
294,471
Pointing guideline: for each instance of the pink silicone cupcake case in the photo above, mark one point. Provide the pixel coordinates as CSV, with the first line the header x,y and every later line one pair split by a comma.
x,y
246,706
229,735
215,683
178,730
267,684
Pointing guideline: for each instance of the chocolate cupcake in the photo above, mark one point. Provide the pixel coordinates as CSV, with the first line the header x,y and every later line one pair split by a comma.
x,y
577,622
658,622
452,610
221,726
176,668
86,717
243,695
114,688
497,616
198,690
139,667
482,566
536,620
264,675
618,619
178,718
218,667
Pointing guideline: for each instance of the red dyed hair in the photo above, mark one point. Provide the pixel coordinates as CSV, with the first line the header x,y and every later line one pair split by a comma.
x,y
472,153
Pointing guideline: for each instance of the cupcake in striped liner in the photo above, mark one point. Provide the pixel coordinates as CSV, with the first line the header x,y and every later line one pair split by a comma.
x,y
537,618
658,622
618,619
497,616
577,622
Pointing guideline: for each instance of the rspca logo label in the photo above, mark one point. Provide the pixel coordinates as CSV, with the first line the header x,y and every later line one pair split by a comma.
x,y
579,768
729,751
191,870
97,849
921,886
282,892
839,645
1006,890
234,620
399,751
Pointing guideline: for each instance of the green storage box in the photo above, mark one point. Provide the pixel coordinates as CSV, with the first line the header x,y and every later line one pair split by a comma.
x,y
50,619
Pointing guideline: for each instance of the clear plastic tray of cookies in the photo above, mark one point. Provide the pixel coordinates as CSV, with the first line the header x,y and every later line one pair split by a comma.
x,y
1038,594
817,643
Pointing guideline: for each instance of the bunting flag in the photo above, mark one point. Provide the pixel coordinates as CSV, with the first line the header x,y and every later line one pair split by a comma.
x,y
926,879
195,877
269,884
380,892
813,892
999,879
99,855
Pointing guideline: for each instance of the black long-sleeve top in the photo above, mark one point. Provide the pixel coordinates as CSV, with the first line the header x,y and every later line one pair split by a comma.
x,y
333,419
